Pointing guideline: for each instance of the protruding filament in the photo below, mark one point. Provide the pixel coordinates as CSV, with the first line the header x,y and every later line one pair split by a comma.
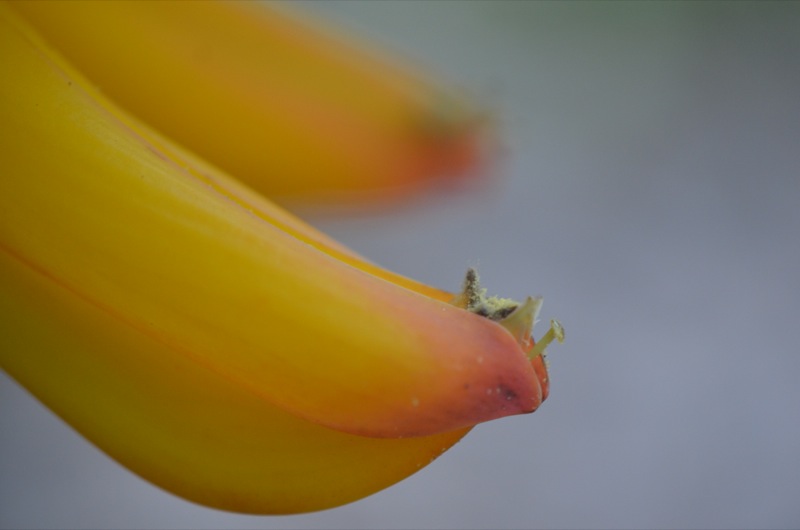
x,y
556,331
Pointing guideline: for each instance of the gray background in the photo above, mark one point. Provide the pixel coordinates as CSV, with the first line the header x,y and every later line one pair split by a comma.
x,y
647,185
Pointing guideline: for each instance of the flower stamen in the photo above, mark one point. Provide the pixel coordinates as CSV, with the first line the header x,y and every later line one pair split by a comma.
x,y
556,331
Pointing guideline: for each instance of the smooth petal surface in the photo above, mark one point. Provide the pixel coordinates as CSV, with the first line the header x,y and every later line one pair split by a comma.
x,y
177,422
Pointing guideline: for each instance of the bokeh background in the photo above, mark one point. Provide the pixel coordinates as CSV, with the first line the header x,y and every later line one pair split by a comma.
x,y
646,181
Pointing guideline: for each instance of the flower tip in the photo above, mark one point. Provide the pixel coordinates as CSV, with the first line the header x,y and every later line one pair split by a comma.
x,y
518,318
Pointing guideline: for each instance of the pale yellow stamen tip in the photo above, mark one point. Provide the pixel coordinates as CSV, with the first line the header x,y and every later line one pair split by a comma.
x,y
518,318
556,332
520,322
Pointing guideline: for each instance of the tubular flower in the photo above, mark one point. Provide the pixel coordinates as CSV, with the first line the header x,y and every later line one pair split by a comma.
x,y
260,93
210,341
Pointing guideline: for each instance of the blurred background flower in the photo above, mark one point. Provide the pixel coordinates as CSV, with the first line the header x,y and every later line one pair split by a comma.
x,y
646,183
